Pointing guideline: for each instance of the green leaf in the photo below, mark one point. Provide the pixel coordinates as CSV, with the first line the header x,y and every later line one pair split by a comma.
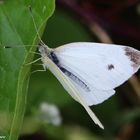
x,y
17,29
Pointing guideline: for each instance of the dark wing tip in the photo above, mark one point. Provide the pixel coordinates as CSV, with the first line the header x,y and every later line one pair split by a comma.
x,y
134,56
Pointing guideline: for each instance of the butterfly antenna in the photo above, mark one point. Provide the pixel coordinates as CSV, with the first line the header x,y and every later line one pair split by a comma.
x,y
31,13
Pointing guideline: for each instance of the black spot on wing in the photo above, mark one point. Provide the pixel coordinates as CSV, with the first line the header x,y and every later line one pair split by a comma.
x,y
110,67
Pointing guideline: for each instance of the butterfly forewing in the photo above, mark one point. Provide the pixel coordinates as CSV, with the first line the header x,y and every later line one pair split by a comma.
x,y
104,66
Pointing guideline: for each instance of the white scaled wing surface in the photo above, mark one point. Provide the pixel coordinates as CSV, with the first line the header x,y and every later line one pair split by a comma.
x,y
95,69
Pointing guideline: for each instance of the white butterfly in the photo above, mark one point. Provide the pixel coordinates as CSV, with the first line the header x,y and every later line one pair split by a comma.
x,y
90,71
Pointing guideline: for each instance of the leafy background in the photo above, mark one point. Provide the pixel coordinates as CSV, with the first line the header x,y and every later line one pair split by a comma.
x,y
73,20
16,27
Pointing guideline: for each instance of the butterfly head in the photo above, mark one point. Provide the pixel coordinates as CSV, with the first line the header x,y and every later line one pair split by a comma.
x,y
44,50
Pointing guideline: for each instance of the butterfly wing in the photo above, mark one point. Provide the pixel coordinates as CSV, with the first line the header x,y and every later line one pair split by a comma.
x,y
96,69
104,66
